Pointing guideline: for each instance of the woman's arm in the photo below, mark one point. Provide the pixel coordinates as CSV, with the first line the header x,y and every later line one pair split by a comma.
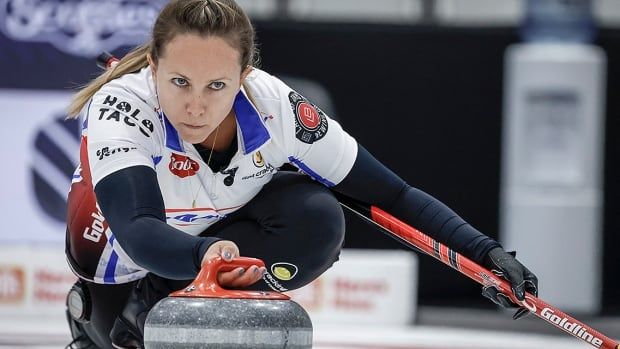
x,y
132,203
371,182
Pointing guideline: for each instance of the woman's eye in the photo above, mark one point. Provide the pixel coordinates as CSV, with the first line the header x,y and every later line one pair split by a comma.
x,y
217,85
179,82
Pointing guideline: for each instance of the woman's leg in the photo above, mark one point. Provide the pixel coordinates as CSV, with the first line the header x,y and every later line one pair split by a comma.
x,y
295,225
107,302
128,329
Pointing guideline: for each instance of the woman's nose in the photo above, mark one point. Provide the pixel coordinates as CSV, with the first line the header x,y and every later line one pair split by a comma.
x,y
195,106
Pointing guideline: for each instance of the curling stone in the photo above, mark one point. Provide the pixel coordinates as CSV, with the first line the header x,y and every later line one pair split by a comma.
x,y
204,315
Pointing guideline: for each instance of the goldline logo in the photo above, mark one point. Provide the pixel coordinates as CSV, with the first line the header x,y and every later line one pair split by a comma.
x,y
571,327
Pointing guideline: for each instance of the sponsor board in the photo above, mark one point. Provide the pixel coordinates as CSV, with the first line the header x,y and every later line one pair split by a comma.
x,y
34,280
79,27
44,151
361,289
12,284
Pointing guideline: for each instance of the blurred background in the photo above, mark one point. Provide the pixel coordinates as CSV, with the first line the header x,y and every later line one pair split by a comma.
x,y
505,110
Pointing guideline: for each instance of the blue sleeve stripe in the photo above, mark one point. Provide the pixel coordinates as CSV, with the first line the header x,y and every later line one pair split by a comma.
x,y
85,123
310,172
110,269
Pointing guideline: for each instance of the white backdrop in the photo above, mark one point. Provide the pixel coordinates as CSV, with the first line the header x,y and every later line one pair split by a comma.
x,y
24,114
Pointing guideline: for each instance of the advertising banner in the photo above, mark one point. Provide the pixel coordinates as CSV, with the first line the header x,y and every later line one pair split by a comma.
x,y
41,151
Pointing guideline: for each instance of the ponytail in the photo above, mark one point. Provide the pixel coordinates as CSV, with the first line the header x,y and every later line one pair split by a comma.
x,y
130,63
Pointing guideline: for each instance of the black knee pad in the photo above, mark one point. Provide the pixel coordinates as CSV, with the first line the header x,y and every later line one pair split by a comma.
x,y
78,302
78,314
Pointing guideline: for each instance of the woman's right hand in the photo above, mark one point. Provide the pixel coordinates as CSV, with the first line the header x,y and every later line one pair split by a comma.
x,y
238,277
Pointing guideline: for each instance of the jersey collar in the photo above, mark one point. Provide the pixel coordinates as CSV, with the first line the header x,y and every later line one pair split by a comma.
x,y
253,132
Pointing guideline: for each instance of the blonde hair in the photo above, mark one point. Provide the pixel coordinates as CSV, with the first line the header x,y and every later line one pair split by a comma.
x,y
222,18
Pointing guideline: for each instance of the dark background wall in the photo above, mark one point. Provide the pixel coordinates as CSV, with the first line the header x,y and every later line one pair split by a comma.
x,y
426,101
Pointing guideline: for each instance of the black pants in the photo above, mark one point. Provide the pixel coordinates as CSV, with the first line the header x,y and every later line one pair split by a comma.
x,y
295,225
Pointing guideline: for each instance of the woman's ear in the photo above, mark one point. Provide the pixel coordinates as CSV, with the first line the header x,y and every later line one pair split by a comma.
x,y
244,74
152,64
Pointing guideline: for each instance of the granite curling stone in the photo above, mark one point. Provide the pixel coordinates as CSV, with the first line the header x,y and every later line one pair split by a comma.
x,y
204,315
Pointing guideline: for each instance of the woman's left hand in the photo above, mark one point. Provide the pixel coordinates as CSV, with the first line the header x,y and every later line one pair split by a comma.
x,y
238,277
521,280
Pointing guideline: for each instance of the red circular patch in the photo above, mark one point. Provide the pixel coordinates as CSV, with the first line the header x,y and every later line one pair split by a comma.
x,y
308,116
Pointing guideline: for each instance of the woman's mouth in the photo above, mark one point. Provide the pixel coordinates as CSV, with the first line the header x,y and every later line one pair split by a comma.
x,y
194,127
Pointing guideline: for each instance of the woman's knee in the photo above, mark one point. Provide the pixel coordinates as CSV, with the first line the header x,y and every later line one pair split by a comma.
x,y
308,208
319,229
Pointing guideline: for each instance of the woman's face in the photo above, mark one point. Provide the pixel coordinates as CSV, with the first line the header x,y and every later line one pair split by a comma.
x,y
197,79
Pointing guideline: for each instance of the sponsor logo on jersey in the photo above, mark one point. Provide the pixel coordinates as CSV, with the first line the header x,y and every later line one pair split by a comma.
x,y
571,327
284,271
79,27
262,173
259,162
310,121
190,219
273,283
258,159
106,151
123,111
97,227
182,166
230,175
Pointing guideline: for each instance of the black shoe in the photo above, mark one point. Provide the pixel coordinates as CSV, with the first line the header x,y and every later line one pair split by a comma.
x,y
128,329
125,335
80,338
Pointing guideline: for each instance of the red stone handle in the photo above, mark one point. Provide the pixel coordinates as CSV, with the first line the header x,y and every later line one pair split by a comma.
x,y
206,286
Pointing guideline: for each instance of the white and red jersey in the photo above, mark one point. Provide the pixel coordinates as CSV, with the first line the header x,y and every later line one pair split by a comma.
x,y
124,127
